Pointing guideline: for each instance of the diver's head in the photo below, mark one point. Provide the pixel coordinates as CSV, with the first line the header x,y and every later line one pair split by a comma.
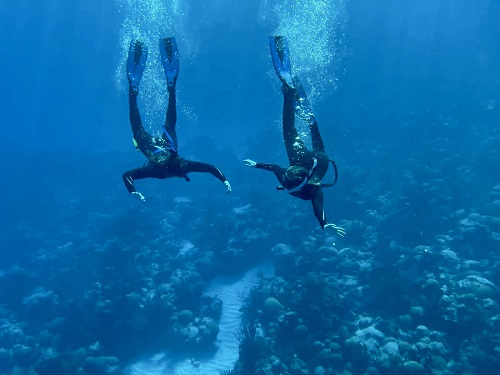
x,y
294,176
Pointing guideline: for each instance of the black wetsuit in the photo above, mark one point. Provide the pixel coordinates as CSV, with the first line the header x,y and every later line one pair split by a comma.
x,y
163,160
299,155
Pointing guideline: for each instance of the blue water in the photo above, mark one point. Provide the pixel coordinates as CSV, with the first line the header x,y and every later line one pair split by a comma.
x,y
407,99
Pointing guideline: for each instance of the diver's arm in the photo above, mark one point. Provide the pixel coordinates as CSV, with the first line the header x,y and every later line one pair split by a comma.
x,y
317,203
319,212
196,166
129,182
276,169
266,166
129,177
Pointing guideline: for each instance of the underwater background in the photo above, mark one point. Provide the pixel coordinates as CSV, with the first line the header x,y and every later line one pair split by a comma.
x,y
195,281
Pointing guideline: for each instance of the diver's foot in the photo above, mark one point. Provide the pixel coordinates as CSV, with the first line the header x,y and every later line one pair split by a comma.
x,y
136,63
170,60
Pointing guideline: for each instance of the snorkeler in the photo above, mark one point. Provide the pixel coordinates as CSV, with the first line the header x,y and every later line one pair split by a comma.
x,y
307,168
161,152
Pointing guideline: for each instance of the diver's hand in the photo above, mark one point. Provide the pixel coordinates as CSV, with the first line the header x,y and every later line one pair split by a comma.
x,y
249,163
228,185
340,231
139,196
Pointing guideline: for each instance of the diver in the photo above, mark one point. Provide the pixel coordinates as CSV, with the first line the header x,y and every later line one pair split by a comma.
x,y
161,152
307,168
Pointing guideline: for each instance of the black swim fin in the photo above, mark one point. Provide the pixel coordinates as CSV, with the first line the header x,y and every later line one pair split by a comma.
x,y
281,59
136,62
170,59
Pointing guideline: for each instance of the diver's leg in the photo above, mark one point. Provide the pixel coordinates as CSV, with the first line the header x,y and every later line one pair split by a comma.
x,y
136,63
135,115
317,141
169,133
293,144
170,61
140,135
303,109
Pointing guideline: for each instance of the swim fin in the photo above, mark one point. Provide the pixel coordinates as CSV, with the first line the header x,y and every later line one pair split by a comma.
x,y
136,62
170,59
281,59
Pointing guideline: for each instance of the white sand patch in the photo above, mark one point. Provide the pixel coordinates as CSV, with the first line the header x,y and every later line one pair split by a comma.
x,y
232,292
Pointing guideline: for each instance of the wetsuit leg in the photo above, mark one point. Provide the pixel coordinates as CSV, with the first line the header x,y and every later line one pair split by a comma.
x,y
141,136
150,170
196,166
169,133
295,147
317,141
319,152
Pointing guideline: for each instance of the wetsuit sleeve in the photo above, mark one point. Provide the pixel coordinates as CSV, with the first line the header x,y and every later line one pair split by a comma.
x,y
317,203
268,167
196,166
148,171
276,169
129,182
